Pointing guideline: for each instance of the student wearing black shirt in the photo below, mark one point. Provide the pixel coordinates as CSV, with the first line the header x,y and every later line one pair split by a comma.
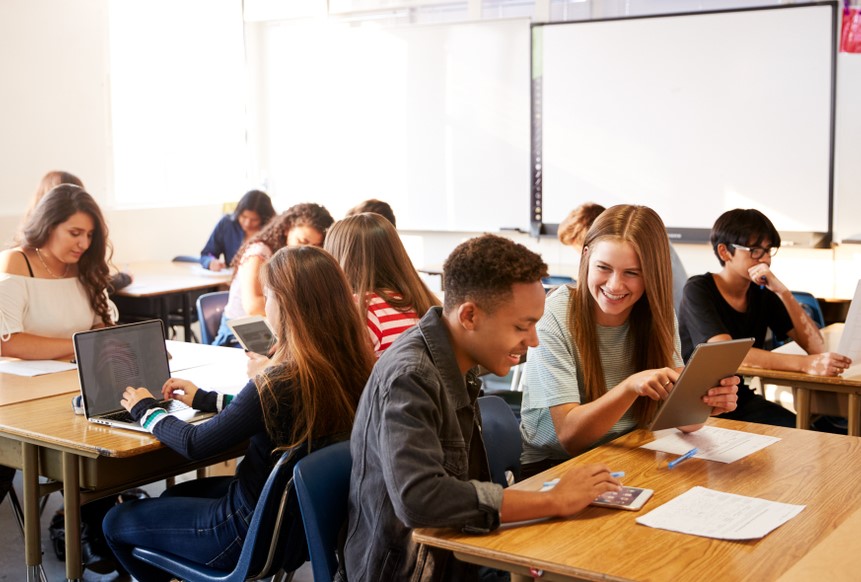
x,y
745,299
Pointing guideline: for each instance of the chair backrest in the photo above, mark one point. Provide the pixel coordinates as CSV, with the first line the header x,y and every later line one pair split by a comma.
x,y
501,433
322,482
552,281
811,306
186,259
210,306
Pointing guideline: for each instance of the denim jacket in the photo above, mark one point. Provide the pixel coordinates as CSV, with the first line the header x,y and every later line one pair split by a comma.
x,y
418,461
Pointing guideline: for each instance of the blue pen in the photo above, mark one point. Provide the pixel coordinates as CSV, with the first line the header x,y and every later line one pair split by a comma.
x,y
684,457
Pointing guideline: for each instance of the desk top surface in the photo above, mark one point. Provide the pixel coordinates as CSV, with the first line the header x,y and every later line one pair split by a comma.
x,y
153,278
804,467
39,409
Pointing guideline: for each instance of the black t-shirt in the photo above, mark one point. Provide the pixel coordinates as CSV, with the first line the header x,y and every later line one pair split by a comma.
x,y
704,313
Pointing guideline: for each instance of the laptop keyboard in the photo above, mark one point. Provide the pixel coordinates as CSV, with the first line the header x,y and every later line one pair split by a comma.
x,y
167,405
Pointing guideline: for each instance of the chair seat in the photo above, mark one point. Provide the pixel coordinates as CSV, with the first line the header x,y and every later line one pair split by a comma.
x,y
182,568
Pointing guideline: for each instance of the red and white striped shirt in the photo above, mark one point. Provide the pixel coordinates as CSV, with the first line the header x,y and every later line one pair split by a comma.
x,y
385,323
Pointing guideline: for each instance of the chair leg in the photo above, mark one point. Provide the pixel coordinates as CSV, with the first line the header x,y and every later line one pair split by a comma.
x,y
282,576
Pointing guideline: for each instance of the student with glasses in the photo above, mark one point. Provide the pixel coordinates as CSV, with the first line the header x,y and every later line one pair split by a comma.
x,y
745,299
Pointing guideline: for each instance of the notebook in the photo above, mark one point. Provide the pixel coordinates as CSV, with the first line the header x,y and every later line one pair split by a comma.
x,y
112,358
708,364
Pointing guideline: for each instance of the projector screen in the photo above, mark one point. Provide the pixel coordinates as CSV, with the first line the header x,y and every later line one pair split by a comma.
x,y
691,114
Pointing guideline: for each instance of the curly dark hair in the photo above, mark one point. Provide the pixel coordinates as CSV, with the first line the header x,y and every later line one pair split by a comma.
x,y
93,272
274,234
484,268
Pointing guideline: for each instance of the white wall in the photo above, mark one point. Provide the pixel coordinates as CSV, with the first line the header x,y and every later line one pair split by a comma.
x,y
54,114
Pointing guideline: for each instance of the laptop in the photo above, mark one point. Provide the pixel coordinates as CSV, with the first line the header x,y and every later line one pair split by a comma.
x,y
708,364
112,358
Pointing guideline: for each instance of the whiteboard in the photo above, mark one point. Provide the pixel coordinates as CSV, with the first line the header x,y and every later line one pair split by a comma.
x,y
432,119
690,114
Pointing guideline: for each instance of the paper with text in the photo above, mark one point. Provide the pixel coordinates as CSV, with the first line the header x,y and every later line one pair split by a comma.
x,y
714,444
714,514
32,368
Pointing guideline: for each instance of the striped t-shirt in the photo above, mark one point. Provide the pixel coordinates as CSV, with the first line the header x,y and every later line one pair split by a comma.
x,y
385,323
554,373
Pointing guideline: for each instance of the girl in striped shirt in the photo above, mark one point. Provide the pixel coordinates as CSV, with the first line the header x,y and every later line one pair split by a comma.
x,y
390,295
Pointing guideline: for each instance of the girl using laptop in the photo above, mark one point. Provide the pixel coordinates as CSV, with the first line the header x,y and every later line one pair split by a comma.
x,y
307,397
608,347
390,295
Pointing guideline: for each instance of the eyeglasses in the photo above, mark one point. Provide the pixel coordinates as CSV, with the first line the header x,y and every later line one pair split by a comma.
x,y
756,252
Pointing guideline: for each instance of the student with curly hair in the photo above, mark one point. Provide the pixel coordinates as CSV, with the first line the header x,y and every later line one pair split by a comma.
x,y
302,224
609,348
389,292
419,459
304,400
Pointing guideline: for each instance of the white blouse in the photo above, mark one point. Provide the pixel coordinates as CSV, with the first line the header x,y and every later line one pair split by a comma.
x,y
45,307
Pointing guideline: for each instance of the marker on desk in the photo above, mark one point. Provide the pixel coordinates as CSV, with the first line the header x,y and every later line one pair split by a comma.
x,y
684,457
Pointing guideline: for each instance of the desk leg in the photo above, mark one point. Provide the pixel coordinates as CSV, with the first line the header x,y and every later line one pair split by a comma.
x,y
802,408
165,314
32,526
72,508
186,316
854,415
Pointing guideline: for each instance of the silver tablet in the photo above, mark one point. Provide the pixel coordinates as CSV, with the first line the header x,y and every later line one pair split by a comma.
x,y
253,333
707,365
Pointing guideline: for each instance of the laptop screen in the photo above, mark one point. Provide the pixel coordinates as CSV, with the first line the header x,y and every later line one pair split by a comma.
x,y
112,358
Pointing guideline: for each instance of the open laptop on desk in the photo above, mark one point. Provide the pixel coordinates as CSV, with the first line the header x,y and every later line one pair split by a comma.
x,y
112,358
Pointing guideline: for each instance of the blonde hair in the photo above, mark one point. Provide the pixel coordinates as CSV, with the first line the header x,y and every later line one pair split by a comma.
x,y
652,318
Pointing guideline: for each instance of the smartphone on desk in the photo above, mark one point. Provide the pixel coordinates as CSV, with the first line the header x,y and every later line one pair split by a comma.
x,y
630,498
253,333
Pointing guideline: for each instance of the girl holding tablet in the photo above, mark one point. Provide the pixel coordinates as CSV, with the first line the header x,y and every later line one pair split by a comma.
x,y
609,346
389,293
308,396
302,224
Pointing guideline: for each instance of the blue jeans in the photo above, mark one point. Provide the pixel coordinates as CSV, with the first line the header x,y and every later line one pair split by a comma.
x,y
203,521
224,336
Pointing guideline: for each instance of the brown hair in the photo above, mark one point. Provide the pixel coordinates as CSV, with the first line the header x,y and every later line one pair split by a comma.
x,y
55,208
374,259
274,234
652,318
572,231
375,206
48,182
484,268
323,350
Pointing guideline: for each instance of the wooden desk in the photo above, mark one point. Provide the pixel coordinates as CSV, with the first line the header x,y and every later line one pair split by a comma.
x,y
805,467
44,437
162,281
805,384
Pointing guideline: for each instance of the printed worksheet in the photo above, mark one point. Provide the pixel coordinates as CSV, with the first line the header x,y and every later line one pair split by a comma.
x,y
714,444
32,368
725,516
850,340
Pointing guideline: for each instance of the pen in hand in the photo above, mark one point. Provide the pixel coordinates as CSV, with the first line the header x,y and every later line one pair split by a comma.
x,y
684,457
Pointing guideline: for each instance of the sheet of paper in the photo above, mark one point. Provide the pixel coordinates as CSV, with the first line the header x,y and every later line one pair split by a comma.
x,y
714,514
714,444
850,341
32,368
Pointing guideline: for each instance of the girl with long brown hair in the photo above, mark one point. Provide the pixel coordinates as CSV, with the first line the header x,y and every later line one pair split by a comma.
x,y
307,397
55,282
609,347
389,293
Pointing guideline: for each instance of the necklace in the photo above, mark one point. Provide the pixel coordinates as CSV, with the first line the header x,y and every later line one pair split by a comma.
x,y
47,268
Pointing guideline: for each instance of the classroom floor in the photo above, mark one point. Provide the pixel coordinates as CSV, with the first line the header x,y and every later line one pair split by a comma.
x,y
13,568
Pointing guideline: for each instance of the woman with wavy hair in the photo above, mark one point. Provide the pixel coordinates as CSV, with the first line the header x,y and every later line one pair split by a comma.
x,y
609,347
55,282
389,292
306,398
302,224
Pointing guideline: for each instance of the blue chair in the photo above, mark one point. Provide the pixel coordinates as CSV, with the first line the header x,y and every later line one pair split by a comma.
x,y
210,307
501,433
811,306
322,481
553,281
275,540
